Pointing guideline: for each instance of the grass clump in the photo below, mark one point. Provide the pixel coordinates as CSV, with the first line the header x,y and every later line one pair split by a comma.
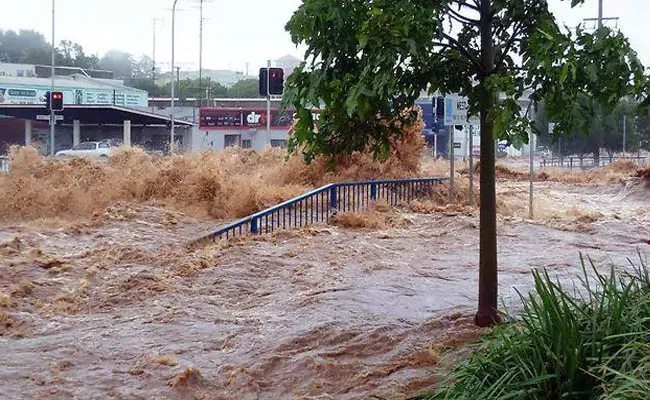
x,y
592,343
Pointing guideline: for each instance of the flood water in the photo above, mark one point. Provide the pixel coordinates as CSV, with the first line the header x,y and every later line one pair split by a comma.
x,y
120,308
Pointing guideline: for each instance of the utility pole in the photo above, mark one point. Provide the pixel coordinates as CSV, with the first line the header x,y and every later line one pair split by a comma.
x,y
171,134
201,55
153,53
471,164
451,164
600,14
268,103
624,135
600,19
52,116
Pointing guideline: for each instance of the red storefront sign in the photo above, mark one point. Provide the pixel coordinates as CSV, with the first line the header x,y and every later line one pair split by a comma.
x,y
246,118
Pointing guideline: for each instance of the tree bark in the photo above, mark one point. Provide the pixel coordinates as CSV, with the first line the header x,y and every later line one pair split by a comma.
x,y
487,314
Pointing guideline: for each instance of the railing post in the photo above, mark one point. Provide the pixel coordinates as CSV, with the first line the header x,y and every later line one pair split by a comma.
x,y
333,199
254,227
373,191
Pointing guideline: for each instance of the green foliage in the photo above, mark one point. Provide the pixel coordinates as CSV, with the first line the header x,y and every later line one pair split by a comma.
x,y
368,60
23,47
360,53
246,88
605,130
592,343
30,47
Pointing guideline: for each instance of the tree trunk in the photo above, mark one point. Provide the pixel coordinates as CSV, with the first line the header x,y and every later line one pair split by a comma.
x,y
488,282
597,158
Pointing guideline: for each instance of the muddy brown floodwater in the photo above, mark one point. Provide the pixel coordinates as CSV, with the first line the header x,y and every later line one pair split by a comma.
x,y
118,307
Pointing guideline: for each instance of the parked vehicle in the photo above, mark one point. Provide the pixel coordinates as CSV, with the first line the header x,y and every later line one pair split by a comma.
x,y
100,150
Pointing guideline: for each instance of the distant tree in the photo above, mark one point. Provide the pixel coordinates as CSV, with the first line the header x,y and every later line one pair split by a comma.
x,y
247,88
605,132
37,56
120,62
70,54
23,47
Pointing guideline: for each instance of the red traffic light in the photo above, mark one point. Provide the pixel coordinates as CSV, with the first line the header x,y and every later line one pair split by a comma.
x,y
57,96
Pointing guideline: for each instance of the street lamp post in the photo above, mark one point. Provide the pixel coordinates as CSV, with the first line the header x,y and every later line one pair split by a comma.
x,y
171,143
52,117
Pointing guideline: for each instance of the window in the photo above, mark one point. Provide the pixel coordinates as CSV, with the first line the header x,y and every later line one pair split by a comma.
x,y
231,140
281,143
246,143
86,146
104,146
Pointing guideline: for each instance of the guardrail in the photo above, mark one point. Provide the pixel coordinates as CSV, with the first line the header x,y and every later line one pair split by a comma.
x,y
587,162
319,205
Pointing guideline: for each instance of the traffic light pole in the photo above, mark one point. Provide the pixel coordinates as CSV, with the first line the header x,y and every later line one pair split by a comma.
x,y
268,103
52,117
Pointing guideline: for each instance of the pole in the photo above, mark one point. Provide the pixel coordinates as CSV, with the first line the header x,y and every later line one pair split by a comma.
x,y
171,143
268,103
451,164
531,175
201,56
52,117
153,54
153,67
435,145
624,136
600,14
471,164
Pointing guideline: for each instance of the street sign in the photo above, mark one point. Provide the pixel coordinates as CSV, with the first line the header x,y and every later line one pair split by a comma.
x,y
41,117
456,108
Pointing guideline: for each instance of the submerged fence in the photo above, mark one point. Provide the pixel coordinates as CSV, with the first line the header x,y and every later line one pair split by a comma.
x,y
320,204
587,162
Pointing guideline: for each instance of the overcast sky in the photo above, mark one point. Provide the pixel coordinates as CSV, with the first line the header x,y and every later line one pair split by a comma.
x,y
236,32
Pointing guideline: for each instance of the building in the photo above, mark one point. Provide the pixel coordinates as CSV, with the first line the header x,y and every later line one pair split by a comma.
x,y
221,127
288,63
223,77
95,109
45,71
77,89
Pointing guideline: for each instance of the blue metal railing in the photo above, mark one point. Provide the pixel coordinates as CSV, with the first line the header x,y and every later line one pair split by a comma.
x,y
320,204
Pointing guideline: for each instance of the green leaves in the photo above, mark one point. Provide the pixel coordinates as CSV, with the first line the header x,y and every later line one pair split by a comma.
x,y
370,59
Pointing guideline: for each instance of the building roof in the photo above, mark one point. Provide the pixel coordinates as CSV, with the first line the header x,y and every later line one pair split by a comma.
x,y
91,114
76,81
289,57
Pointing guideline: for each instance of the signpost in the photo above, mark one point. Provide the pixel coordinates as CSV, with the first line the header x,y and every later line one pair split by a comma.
x,y
456,114
44,117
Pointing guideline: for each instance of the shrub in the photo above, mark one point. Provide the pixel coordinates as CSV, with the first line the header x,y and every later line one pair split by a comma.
x,y
592,343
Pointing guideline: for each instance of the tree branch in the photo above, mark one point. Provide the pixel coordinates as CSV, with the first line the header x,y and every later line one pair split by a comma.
x,y
512,40
461,18
464,3
462,50
450,47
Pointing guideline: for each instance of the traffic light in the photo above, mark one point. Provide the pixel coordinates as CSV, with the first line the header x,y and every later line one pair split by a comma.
x,y
276,80
273,83
54,101
264,81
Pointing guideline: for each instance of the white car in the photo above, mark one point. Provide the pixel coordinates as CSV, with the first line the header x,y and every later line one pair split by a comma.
x,y
100,150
